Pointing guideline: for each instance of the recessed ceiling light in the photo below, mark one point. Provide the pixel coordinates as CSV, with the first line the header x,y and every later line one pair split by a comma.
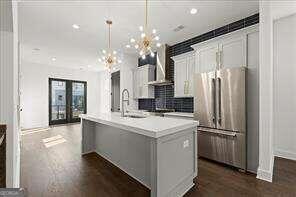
x,y
193,11
75,26
53,59
128,46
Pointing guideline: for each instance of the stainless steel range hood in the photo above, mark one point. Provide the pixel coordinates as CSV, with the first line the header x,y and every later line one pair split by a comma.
x,y
162,68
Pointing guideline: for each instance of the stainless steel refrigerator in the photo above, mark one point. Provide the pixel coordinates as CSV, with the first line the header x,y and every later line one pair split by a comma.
x,y
220,108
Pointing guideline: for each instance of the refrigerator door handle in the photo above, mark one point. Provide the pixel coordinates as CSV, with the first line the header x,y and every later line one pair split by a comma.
x,y
214,101
219,101
218,132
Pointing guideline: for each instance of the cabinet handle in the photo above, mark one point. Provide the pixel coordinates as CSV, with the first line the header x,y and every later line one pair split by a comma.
x,y
220,59
217,59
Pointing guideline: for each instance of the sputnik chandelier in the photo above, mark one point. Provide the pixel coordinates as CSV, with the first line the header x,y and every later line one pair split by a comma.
x,y
149,40
109,56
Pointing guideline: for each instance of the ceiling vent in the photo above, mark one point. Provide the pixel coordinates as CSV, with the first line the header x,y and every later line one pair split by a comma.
x,y
179,28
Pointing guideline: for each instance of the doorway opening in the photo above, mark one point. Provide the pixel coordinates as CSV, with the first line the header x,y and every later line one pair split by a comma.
x,y
115,91
67,100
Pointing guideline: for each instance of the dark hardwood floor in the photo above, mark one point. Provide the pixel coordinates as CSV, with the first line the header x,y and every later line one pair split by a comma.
x,y
60,170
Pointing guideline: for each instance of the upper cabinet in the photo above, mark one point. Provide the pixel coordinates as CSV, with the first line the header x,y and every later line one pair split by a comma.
x,y
184,69
223,53
143,75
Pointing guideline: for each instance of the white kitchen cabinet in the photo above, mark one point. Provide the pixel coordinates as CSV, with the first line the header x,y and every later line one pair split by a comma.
x,y
233,52
206,57
222,53
184,67
143,75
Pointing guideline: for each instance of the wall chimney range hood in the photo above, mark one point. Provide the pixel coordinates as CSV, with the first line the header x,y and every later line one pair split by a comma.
x,y
162,68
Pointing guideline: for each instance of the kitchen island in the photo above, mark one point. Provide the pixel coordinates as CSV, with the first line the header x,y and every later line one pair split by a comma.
x,y
159,152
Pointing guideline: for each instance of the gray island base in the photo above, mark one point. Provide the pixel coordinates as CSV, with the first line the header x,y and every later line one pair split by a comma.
x,y
160,153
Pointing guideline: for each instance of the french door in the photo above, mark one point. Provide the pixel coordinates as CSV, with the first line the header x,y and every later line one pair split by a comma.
x,y
67,100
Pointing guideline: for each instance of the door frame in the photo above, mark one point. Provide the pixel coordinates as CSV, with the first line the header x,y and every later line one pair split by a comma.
x,y
69,118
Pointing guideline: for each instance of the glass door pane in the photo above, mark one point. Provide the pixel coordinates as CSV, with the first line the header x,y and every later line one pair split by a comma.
x,y
78,100
58,102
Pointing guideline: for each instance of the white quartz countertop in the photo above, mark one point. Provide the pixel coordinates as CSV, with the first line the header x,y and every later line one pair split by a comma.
x,y
182,114
151,126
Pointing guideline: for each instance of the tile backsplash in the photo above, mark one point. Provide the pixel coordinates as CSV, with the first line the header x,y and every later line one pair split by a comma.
x,y
164,95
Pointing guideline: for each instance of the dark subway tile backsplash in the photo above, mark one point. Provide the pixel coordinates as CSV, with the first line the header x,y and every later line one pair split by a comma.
x,y
164,95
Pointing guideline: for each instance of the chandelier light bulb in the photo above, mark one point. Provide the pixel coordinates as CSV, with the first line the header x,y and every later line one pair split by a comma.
x,y
158,44
100,60
156,38
119,61
136,46
132,40
141,52
114,52
143,57
128,46
141,28
143,35
104,51
152,54
154,31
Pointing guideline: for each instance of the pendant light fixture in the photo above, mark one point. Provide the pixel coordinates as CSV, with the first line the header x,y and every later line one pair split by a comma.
x,y
148,41
109,56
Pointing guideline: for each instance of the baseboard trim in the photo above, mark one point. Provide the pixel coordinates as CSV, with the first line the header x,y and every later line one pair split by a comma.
x,y
264,175
285,154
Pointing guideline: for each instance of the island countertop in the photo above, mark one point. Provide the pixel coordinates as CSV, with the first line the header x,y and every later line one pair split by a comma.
x,y
151,126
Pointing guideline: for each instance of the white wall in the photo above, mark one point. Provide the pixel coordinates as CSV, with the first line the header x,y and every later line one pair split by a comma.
x,y
9,88
34,91
285,87
269,11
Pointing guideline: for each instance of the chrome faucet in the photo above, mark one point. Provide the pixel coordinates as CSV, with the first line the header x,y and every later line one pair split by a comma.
x,y
123,100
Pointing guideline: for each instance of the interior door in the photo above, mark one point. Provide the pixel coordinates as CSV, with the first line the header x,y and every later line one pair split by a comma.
x,y
115,92
205,109
57,101
231,107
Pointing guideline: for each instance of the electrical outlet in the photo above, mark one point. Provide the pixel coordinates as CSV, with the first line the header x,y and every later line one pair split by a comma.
x,y
185,143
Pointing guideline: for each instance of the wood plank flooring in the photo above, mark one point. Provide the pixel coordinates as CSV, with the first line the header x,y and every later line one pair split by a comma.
x,y
60,170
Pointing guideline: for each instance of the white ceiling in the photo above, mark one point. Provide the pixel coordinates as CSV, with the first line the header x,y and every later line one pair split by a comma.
x,y
47,26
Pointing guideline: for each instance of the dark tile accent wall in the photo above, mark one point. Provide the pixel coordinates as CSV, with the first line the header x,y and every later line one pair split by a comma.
x,y
164,95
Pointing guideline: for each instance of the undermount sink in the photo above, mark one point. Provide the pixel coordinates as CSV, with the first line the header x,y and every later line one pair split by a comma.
x,y
135,116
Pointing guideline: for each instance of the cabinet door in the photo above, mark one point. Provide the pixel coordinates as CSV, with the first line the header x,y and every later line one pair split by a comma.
x,y
190,74
207,58
144,75
233,52
180,75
